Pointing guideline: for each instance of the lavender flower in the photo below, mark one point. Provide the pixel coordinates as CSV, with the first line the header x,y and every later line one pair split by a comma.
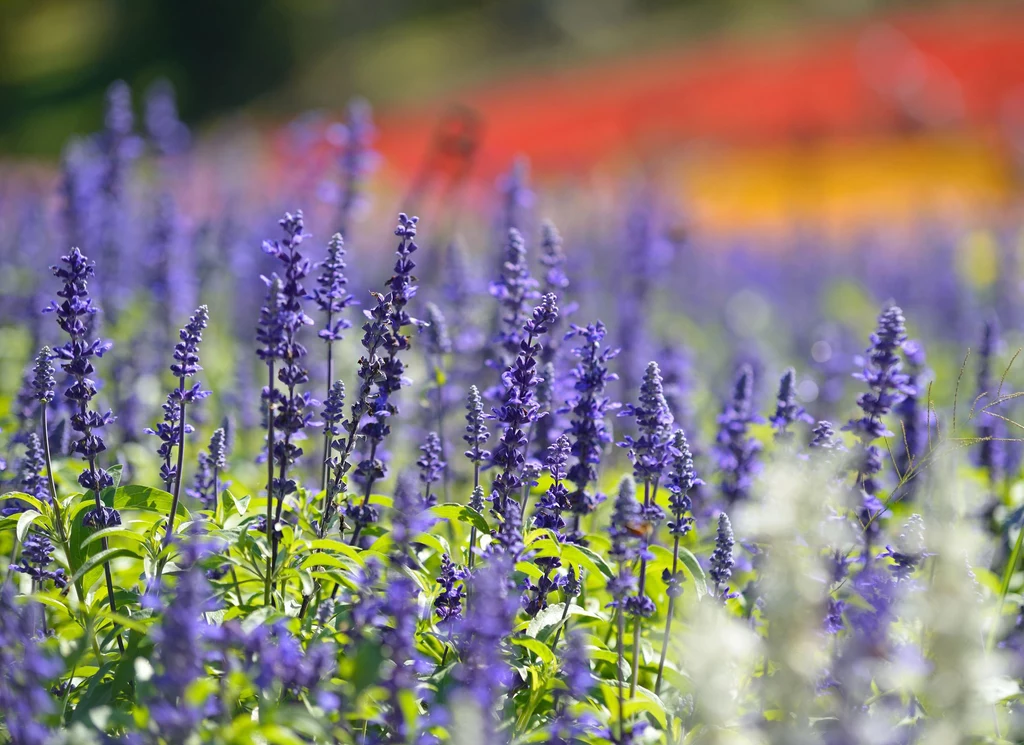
x,y
588,411
552,257
409,518
568,728
516,196
722,560
431,467
736,451
787,410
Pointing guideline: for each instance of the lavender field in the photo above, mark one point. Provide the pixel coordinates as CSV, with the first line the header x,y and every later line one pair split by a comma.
x,y
283,466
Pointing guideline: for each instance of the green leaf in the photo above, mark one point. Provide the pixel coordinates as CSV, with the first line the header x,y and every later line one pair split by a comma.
x,y
118,532
241,504
381,499
692,567
321,559
551,617
462,514
586,558
330,544
437,543
146,499
103,556
36,504
25,521
542,650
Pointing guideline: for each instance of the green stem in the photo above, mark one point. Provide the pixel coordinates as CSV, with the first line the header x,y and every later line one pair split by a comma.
x,y
176,495
1004,586
668,619
270,479
638,619
57,515
621,623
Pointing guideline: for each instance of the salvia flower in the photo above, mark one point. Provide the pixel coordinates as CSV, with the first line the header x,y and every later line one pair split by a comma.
x,y
485,674
887,386
179,641
555,501
409,517
74,316
43,382
649,450
212,463
910,549
448,603
514,291
399,638
166,131
570,727
722,560
31,467
680,480
519,407
914,418
25,672
391,378
787,410
736,451
431,467
476,428
172,429
627,515
356,160
824,437
991,454
588,410
436,332
35,558
332,295
290,408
